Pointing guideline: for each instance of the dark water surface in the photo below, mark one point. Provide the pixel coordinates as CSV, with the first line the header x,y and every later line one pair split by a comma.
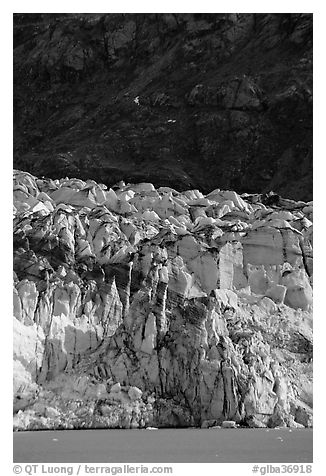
x,y
165,445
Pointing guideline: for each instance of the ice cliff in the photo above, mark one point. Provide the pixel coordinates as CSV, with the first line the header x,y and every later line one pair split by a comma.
x,y
137,307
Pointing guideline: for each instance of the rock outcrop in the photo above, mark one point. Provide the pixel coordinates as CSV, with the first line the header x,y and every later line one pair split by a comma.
x,y
142,307
186,100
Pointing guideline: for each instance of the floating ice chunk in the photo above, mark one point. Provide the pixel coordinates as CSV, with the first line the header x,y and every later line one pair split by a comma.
x,y
229,424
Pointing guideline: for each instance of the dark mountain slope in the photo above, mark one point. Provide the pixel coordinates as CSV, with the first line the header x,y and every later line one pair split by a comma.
x,y
186,100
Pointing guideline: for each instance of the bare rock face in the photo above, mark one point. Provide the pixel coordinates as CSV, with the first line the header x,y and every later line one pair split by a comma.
x,y
137,306
184,100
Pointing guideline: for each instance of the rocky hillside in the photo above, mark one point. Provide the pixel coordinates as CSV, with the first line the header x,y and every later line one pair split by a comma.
x,y
181,100
137,306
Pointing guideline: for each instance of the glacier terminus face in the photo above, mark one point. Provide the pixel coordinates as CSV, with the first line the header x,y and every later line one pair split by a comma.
x,y
137,307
